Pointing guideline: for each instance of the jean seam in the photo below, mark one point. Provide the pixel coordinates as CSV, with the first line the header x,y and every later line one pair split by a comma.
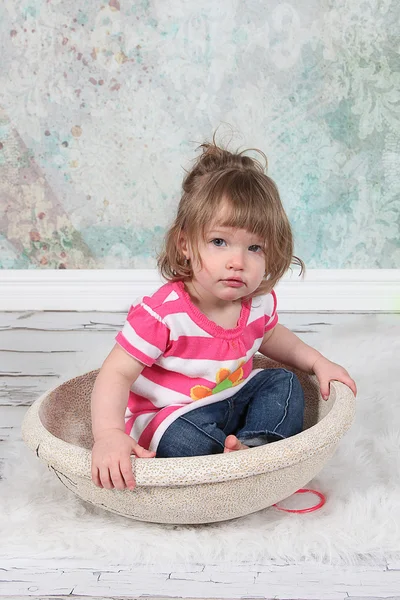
x,y
230,414
286,403
260,432
202,431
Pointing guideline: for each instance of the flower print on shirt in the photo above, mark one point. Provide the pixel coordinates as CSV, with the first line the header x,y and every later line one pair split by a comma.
x,y
225,379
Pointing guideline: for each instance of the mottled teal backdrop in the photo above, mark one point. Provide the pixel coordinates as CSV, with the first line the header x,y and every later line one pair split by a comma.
x,y
102,104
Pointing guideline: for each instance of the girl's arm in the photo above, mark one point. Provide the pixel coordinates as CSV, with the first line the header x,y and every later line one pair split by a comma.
x,y
111,391
282,345
111,465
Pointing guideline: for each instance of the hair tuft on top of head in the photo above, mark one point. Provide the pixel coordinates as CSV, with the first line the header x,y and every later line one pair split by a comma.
x,y
250,200
214,158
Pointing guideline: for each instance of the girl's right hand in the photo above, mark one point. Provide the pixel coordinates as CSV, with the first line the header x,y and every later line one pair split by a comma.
x,y
111,459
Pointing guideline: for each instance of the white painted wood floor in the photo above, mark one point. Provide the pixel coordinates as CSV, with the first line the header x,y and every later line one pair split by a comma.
x,y
35,348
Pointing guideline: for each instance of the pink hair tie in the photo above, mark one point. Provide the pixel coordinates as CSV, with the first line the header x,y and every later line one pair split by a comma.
x,y
305,510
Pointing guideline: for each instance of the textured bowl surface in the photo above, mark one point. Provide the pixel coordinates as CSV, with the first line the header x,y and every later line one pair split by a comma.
x,y
200,489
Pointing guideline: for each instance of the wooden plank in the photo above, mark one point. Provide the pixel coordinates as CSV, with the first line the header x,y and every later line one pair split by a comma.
x,y
184,589
37,348
373,598
349,581
204,581
51,320
75,597
18,391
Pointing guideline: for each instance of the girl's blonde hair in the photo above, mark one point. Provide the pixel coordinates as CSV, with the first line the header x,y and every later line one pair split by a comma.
x,y
254,204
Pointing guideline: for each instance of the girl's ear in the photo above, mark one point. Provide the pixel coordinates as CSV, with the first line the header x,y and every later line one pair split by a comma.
x,y
183,245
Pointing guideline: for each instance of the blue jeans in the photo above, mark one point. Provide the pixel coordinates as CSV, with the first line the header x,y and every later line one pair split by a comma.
x,y
270,407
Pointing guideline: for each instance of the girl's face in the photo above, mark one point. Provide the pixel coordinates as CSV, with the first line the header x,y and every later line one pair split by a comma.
x,y
233,264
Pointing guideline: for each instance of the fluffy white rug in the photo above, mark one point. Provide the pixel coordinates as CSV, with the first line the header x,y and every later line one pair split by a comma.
x,y
359,523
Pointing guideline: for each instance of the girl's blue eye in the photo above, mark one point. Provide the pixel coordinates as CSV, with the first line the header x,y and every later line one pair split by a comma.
x,y
218,242
255,248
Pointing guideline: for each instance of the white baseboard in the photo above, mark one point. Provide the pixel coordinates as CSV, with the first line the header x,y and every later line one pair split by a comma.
x,y
348,290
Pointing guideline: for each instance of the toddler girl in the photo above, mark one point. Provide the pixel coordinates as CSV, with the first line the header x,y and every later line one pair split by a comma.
x,y
179,380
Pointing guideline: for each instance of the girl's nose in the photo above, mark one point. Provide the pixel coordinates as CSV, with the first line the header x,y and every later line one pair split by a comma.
x,y
236,261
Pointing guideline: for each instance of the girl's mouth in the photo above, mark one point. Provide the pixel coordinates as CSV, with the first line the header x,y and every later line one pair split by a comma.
x,y
233,282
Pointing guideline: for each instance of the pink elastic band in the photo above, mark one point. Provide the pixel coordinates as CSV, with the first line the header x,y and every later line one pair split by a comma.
x,y
305,510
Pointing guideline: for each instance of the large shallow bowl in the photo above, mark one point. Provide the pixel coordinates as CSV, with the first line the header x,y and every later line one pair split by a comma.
x,y
200,489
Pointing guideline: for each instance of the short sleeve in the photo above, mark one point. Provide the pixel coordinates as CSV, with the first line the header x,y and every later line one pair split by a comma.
x,y
271,315
144,335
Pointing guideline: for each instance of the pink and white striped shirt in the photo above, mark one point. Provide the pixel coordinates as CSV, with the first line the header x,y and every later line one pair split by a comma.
x,y
189,360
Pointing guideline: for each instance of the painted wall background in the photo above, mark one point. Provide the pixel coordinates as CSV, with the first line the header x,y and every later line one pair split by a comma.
x,y
103,103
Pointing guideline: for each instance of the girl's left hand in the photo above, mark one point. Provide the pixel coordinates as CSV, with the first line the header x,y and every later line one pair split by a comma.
x,y
326,371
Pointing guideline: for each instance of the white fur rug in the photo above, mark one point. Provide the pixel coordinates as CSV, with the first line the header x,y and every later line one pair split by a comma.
x,y
359,523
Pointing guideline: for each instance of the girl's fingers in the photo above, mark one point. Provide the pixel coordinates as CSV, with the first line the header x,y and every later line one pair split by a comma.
x,y
105,478
324,387
96,477
116,477
347,380
142,452
119,474
126,470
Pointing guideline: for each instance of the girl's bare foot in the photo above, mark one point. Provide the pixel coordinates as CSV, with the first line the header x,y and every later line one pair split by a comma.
x,y
232,444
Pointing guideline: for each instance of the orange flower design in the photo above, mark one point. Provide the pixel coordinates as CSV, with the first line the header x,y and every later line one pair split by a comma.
x,y
225,379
